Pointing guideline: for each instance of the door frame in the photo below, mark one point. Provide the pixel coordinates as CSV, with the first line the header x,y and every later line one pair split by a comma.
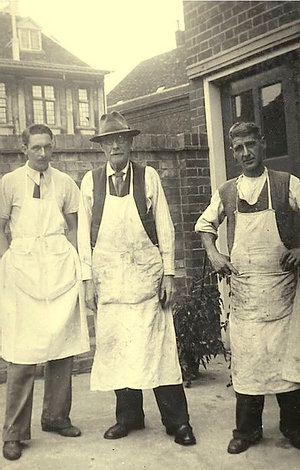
x,y
213,112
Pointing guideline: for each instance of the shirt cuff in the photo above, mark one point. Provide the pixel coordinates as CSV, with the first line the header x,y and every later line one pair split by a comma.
x,y
86,271
168,262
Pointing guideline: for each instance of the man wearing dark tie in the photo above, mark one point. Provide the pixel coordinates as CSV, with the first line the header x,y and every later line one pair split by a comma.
x,y
39,288
126,247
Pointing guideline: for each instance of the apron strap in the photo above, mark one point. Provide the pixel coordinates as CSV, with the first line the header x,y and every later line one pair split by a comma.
x,y
100,191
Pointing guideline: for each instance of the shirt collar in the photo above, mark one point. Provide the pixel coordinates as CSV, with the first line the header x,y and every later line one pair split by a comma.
x,y
253,178
110,171
35,175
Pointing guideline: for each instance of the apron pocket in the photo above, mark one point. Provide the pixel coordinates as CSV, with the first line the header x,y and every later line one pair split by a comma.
x,y
44,278
127,278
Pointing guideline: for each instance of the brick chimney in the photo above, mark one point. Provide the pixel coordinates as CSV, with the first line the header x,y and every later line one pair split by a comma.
x,y
14,11
179,36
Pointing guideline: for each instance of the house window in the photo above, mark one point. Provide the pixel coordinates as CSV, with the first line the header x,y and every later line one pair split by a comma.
x,y
3,104
84,108
43,104
270,105
267,98
30,39
273,120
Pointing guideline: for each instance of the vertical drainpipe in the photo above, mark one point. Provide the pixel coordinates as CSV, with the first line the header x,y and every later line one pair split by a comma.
x,y
15,41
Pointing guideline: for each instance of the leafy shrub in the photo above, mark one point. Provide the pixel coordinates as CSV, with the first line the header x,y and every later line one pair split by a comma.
x,y
198,328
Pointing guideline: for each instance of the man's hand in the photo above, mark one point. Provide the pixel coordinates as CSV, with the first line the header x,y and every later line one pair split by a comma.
x,y
221,264
290,259
167,290
90,295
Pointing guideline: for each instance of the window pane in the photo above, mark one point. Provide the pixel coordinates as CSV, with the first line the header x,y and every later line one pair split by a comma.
x,y
243,107
50,112
24,39
38,113
3,115
37,91
3,102
49,92
84,114
35,40
273,120
2,89
82,94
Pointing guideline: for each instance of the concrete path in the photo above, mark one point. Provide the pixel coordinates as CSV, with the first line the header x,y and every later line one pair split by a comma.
x,y
211,406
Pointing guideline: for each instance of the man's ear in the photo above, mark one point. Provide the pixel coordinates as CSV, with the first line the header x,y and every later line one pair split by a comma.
x,y
24,149
53,141
262,142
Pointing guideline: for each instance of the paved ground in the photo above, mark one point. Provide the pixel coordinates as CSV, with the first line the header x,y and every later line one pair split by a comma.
x,y
211,406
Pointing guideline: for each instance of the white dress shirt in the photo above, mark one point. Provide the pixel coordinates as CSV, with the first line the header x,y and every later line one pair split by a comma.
x,y
155,198
12,191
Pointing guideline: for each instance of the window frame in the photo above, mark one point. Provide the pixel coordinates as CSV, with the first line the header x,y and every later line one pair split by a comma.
x,y
29,32
79,128
256,82
5,96
44,100
85,101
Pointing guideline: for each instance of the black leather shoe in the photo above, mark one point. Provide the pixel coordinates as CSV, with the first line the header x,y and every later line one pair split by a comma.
x,y
70,431
121,430
294,438
236,445
12,450
183,434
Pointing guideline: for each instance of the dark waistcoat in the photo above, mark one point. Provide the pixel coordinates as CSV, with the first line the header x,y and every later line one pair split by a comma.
x,y
279,188
99,193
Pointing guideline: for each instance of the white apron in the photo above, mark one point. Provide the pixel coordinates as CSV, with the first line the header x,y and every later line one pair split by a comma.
x,y
135,337
261,305
39,287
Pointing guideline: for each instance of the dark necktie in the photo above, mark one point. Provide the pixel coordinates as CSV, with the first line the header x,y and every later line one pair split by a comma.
x,y
119,182
37,189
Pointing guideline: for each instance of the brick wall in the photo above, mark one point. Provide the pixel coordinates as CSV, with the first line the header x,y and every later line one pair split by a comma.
x,y
182,163
213,27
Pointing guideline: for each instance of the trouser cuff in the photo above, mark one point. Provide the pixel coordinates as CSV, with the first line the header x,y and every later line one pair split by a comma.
x,y
56,423
251,436
15,435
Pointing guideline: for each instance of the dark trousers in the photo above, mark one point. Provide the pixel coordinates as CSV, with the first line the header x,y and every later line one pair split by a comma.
x,y
170,399
249,410
19,397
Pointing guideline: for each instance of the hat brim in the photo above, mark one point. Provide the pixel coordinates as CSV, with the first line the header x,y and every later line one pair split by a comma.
x,y
131,132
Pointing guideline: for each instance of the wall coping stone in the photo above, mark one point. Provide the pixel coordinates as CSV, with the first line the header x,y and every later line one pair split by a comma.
x,y
66,143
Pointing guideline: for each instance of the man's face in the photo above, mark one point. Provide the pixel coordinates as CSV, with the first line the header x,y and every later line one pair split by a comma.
x,y
117,150
39,151
248,150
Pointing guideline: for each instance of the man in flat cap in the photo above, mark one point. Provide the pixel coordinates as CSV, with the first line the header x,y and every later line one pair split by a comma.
x,y
126,247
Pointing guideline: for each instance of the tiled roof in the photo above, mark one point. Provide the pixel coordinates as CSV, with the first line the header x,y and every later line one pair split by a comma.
x,y
157,74
52,52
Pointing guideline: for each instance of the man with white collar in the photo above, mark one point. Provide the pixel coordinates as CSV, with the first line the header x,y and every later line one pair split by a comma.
x,y
126,248
39,285
263,263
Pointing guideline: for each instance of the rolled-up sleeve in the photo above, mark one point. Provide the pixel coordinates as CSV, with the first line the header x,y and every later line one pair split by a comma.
x,y
71,201
294,193
5,198
212,217
163,222
84,224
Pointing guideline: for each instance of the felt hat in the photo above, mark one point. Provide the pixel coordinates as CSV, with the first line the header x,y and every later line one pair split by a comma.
x,y
113,123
